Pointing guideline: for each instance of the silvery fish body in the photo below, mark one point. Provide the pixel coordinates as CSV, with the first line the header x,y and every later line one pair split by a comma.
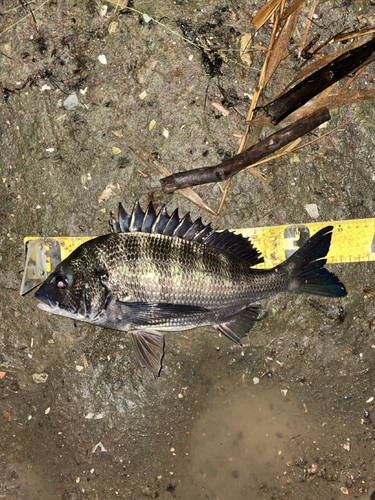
x,y
157,272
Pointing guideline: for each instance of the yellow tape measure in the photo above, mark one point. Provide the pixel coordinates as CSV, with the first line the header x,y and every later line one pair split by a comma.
x,y
352,241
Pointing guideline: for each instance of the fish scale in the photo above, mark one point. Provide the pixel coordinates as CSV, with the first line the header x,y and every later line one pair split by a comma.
x,y
158,273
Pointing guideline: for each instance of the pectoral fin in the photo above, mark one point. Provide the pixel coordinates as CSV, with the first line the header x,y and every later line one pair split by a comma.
x,y
150,314
149,348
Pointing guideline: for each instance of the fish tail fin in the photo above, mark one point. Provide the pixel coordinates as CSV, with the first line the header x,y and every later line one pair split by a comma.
x,y
306,268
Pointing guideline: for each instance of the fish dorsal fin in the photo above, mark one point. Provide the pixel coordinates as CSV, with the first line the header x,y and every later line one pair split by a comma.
x,y
234,245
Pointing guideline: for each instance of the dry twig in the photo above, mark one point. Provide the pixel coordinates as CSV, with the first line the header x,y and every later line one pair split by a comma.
x,y
239,162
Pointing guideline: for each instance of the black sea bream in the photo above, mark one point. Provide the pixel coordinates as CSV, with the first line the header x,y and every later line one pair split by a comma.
x,y
158,273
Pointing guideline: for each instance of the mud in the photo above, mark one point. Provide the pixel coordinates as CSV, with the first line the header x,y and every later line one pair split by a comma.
x,y
203,429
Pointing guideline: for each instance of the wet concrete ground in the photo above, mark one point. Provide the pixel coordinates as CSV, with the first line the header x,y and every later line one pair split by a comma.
x,y
203,429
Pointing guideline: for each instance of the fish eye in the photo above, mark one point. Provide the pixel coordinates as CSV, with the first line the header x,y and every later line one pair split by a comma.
x,y
61,282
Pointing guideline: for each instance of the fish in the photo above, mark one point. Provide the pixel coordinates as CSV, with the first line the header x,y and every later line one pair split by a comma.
x,y
155,273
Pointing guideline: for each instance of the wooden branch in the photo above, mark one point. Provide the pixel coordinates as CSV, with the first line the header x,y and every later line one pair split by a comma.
x,y
230,167
320,80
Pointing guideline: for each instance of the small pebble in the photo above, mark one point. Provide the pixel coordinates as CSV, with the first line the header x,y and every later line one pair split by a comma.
x,y
312,210
99,445
112,27
71,102
40,378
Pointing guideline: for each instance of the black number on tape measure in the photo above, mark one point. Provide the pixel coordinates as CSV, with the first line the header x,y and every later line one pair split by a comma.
x,y
290,232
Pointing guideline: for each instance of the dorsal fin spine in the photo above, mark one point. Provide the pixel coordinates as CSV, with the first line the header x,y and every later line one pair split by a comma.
x,y
149,219
123,219
173,222
136,218
161,221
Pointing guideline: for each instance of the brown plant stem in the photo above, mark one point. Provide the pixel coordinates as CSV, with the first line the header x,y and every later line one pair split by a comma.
x,y
230,167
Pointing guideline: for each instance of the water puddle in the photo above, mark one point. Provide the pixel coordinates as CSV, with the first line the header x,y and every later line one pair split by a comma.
x,y
242,444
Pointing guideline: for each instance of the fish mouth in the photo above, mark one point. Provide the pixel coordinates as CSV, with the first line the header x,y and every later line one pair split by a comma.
x,y
52,307
49,307
46,304
46,307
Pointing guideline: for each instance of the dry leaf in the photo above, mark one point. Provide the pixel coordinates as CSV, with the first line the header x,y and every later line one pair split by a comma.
x,y
282,42
289,147
107,192
117,133
353,34
294,5
245,49
265,13
307,26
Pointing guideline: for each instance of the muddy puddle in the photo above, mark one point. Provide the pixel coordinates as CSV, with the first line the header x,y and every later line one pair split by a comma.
x,y
242,443
251,443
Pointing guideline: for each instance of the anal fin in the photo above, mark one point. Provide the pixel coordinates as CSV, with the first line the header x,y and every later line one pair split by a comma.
x,y
149,348
238,325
